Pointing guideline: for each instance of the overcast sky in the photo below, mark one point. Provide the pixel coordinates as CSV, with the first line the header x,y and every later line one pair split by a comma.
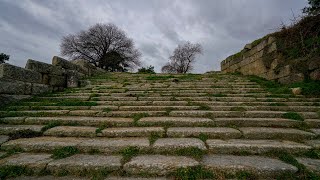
x,y
34,28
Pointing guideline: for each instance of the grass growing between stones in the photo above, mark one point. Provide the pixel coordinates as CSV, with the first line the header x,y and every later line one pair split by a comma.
x,y
203,137
278,104
271,86
27,133
159,77
13,171
218,95
51,125
137,117
191,151
129,152
193,173
64,152
239,109
153,137
293,116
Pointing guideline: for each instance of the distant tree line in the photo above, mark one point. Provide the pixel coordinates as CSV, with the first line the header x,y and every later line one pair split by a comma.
x,y
3,58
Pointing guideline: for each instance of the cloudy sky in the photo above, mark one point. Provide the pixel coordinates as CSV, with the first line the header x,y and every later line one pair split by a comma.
x,y
34,28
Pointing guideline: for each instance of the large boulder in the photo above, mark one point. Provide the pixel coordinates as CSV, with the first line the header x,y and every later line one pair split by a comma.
x,y
58,61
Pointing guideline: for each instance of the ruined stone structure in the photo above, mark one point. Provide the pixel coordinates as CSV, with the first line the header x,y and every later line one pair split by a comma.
x,y
38,77
264,60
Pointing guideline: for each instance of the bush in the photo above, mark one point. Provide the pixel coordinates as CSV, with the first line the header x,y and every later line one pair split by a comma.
x,y
146,70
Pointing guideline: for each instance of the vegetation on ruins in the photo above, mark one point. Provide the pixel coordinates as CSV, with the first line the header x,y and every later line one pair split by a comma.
x,y
183,58
147,70
313,8
104,45
3,58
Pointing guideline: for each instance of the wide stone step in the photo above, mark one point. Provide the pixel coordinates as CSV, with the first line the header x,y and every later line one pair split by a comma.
x,y
254,146
275,133
157,108
71,131
12,129
81,163
133,132
47,144
77,164
312,165
80,120
257,122
223,133
247,114
158,164
175,121
175,144
262,167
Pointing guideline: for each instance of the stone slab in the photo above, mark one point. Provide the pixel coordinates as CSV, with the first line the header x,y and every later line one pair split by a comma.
x,y
109,145
254,146
7,129
85,163
133,131
224,133
3,139
71,131
86,121
256,122
13,87
49,178
311,164
176,121
261,166
135,178
35,162
316,131
173,144
158,164
275,133
314,143
12,120
41,143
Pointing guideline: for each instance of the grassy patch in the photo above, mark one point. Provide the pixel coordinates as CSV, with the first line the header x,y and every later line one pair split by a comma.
x,y
159,77
191,151
318,114
240,109
13,171
203,137
168,110
129,152
271,86
293,116
27,133
314,154
76,103
94,151
203,107
278,104
64,152
107,110
193,173
153,137
51,125
137,117
218,95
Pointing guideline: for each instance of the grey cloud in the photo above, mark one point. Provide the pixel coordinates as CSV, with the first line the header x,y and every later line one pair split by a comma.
x,y
34,28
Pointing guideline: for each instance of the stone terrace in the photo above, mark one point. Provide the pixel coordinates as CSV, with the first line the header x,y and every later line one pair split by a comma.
x,y
133,126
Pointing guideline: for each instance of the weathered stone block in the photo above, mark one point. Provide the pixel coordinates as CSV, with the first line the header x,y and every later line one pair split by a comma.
x,y
58,81
315,75
8,71
58,61
314,63
73,78
40,88
292,78
13,87
44,68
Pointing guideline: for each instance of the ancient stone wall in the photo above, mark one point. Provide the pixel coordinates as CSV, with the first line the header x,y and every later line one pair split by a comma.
x,y
264,60
37,77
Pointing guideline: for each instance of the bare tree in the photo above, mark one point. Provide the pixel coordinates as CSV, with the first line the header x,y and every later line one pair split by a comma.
x,y
183,58
104,45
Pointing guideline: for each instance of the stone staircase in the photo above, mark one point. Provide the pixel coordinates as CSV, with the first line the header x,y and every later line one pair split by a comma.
x,y
134,126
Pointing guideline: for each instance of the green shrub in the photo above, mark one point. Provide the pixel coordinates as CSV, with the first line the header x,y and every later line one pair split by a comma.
x,y
146,70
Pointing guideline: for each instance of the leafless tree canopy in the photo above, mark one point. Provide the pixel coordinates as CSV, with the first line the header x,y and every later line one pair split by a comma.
x,y
104,45
183,58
